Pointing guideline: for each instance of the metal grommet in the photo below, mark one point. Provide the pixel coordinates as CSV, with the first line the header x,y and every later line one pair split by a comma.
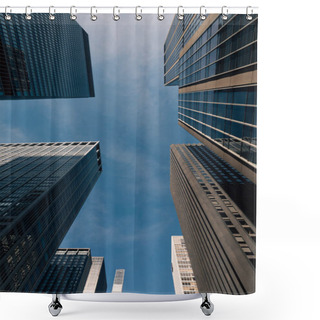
x,y
138,16
224,12
72,15
249,15
7,16
51,15
116,17
203,15
93,16
28,14
160,16
180,14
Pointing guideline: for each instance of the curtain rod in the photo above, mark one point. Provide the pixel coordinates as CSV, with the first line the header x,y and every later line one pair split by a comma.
x,y
131,10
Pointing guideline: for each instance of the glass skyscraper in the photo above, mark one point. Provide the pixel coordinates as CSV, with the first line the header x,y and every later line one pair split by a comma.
x,y
71,271
214,202
44,59
180,33
216,71
42,189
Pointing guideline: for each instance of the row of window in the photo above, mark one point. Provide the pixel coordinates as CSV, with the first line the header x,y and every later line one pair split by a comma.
x,y
220,128
244,147
175,42
239,59
241,95
231,181
238,39
210,113
44,227
207,122
223,28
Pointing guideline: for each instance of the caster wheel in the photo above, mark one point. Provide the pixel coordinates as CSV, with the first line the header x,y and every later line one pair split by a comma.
x,y
207,308
55,308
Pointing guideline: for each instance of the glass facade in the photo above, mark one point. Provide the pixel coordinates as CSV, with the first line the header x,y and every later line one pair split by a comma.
x,y
216,75
67,272
224,47
227,116
41,59
180,33
42,188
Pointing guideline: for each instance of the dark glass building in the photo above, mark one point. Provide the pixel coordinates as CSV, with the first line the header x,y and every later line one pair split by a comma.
x,y
215,205
216,71
42,189
73,270
40,58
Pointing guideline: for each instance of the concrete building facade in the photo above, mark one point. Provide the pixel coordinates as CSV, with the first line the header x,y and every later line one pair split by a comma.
x,y
183,277
118,281
97,279
219,237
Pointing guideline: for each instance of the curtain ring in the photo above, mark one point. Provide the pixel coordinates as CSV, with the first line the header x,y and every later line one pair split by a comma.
x,y
51,15
93,16
116,17
203,15
160,16
224,12
138,16
72,15
249,15
28,14
180,14
7,16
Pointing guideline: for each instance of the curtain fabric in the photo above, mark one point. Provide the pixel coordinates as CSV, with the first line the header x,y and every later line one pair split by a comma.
x,y
128,154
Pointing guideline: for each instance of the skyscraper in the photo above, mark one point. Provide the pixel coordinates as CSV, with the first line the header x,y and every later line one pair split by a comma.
x,y
183,278
179,34
42,189
73,271
216,71
32,63
212,200
97,280
118,281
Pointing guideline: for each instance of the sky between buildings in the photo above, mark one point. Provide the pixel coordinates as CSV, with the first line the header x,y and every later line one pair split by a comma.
x,y
129,216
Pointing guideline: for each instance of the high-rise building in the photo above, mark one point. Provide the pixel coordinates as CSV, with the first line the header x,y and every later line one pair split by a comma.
x,y
42,189
179,34
32,63
73,271
213,201
214,63
118,281
183,278
97,280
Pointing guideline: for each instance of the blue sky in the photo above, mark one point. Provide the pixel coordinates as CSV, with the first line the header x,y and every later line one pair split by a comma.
x,y
129,216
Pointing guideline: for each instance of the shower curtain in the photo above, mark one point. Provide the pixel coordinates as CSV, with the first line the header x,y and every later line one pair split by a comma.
x,y
128,154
